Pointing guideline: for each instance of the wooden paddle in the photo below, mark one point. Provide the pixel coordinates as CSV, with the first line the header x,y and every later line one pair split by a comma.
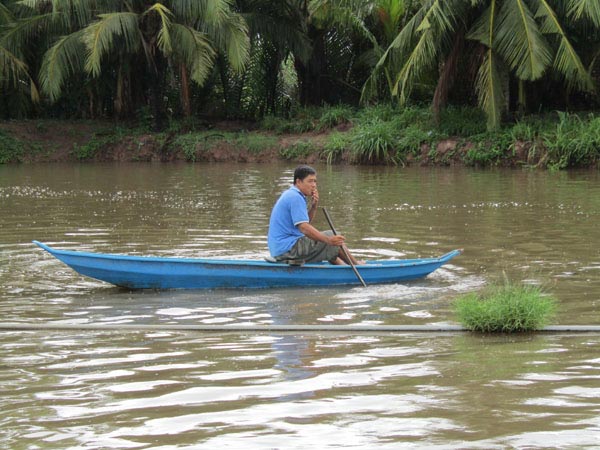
x,y
344,249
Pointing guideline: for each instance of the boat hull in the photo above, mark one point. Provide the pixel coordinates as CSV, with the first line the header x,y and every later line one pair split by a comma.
x,y
147,272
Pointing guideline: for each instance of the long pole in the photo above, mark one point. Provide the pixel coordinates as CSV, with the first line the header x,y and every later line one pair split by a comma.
x,y
345,250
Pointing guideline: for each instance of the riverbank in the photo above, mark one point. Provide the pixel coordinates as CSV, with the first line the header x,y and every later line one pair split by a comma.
x,y
374,136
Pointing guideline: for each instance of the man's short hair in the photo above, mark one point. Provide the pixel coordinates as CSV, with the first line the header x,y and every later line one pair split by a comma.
x,y
302,172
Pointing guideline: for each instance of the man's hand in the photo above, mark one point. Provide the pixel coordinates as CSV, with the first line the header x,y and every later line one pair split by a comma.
x,y
315,198
337,240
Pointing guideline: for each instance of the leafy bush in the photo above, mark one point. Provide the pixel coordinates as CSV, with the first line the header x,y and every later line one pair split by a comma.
x,y
411,138
382,112
337,143
297,150
274,123
255,143
91,148
574,141
505,308
462,121
374,142
334,116
11,150
488,148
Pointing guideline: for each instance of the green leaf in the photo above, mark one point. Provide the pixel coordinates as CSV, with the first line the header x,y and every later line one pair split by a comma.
x,y
520,41
104,36
589,9
64,58
566,60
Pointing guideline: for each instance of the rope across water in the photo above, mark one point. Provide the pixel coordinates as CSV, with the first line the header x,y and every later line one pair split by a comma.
x,y
371,329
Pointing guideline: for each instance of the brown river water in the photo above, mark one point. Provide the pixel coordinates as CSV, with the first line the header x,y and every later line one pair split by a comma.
x,y
119,389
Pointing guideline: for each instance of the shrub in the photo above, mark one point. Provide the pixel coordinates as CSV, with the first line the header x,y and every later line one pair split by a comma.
x,y
11,150
94,145
382,112
255,143
489,148
411,138
462,121
505,308
273,123
334,116
336,144
574,141
374,142
297,150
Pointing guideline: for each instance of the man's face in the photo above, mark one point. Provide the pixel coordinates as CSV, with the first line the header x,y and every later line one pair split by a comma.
x,y
308,185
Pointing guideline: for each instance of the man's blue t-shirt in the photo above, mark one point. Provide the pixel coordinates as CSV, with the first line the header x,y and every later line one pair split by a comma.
x,y
289,211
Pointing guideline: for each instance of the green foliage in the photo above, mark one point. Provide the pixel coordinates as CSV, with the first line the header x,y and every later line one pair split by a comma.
x,y
488,148
11,150
91,148
334,116
299,149
574,141
462,121
505,308
383,112
374,142
411,138
337,143
255,143
303,122
192,144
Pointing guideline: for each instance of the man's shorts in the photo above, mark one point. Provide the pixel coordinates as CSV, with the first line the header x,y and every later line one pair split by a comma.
x,y
307,250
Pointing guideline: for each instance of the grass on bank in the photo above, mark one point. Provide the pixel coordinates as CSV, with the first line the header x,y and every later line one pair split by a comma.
x,y
506,308
381,134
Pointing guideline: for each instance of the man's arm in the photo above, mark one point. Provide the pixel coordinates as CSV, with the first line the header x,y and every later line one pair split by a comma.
x,y
311,232
313,205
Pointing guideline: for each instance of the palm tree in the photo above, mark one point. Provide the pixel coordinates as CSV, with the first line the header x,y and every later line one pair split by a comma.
x,y
139,40
14,70
525,39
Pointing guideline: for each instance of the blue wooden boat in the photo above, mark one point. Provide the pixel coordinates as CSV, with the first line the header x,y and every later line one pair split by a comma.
x,y
147,272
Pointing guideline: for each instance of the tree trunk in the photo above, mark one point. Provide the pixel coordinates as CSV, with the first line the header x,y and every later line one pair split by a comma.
x,y
312,72
157,104
118,101
186,107
447,76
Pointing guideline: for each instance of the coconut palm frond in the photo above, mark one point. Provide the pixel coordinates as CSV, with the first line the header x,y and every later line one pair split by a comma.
x,y
348,15
232,38
164,36
281,31
13,70
399,46
6,16
589,9
417,47
483,29
195,50
488,84
19,32
520,41
11,67
433,31
566,60
226,29
102,36
489,89
64,58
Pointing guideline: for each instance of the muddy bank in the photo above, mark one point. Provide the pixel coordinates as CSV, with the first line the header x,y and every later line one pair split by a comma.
x,y
71,141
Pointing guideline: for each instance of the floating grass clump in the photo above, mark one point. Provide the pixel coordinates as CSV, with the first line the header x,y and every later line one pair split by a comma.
x,y
505,308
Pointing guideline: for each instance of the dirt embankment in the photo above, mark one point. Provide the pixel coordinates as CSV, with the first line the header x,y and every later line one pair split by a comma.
x,y
64,141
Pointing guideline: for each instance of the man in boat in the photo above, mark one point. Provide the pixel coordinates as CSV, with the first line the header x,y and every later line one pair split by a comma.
x,y
291,236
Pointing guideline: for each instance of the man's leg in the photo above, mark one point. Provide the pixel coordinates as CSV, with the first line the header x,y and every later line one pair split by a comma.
x,y
342,259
